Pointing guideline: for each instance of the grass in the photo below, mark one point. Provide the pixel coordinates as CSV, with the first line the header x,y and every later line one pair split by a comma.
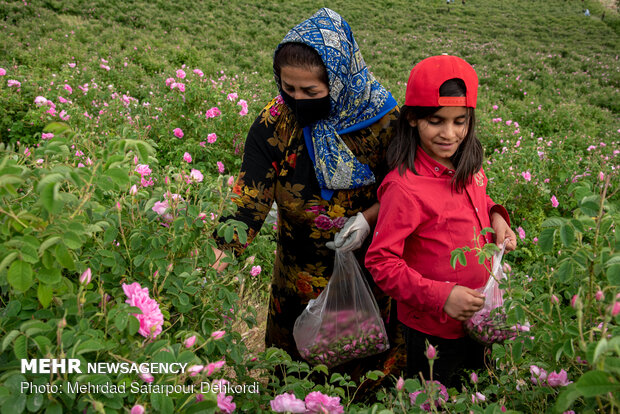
x,y
501,38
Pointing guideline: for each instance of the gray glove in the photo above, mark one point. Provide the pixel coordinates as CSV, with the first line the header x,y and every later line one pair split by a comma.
x,y
352,235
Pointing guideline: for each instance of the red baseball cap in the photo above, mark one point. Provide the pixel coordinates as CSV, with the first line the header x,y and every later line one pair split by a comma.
x,y
428,75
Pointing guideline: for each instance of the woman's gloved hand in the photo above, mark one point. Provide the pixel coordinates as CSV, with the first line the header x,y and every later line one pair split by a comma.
x,y
352,235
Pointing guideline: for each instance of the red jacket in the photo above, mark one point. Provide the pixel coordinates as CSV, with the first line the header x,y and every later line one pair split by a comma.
x,y
421,220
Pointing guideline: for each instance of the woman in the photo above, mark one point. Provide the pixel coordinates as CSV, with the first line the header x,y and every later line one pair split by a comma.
x,y
317,150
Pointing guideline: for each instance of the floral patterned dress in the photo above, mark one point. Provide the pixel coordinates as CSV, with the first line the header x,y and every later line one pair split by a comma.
x,y
277,167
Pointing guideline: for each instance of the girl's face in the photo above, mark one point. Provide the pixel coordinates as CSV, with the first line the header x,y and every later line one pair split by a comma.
x,y
303,83
442,133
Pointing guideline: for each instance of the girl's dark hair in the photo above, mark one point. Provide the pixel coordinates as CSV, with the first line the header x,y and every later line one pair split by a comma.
x,y
467,159
299,55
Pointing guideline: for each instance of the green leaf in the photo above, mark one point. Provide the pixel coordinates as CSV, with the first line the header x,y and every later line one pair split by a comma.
x,y
35,402
64,257
613,274
567,235
133,325
49,197
578,225
143,150
566,398
43,343
545,241
8,339
120,176
457,255
49,276
109,235
600,349
45,294
72,240
566,270
14,404
7,260
49,242
90,345
589,208
554,222
121,320
594,383
57,128
20,275
20,347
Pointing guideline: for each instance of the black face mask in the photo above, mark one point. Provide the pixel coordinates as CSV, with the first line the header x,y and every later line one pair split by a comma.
x,y
307,111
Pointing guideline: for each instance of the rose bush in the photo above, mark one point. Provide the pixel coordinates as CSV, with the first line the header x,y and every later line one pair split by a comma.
x,y
116,159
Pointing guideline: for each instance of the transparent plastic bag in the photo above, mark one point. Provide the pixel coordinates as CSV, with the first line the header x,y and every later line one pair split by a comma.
x,y
488,325
343,323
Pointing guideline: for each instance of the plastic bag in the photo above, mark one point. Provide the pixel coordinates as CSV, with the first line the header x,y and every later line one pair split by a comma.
x,y
343,322
488,325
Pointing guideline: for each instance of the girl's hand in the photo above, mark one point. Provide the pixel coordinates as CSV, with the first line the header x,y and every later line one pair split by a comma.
x,y
503,231
463,302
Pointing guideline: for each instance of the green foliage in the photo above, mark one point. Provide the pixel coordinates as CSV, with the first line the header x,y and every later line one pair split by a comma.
x,y
547,117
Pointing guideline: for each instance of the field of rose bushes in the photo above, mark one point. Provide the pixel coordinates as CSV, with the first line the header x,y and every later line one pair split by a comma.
x,y
122,126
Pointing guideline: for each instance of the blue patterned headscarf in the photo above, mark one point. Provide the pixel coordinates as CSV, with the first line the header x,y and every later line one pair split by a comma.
x,y
357,101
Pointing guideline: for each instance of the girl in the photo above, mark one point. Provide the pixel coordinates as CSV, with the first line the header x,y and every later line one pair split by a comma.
x,y
431,202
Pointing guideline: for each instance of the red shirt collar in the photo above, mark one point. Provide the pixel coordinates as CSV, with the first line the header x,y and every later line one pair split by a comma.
x,y
429,165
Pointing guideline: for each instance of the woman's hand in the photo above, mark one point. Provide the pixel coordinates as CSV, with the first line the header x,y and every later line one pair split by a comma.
x,y
352,235
503,231
219,265
463,302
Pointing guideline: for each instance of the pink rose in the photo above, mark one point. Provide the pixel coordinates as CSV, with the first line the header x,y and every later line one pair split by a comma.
x,y
211,138
255,271
137,409
539,375
143,170
554,202
151,320
86,277
217,334
196,175
316,402
225,403
189,342
559,379
187,157
146,377
213,112
214,367
287,403
194,370
178,132
40,101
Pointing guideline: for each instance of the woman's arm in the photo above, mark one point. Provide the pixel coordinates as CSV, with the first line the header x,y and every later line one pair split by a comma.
x,y
371,214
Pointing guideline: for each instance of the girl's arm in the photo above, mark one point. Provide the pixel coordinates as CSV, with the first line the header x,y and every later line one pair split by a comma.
x,y
503,231
500,222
